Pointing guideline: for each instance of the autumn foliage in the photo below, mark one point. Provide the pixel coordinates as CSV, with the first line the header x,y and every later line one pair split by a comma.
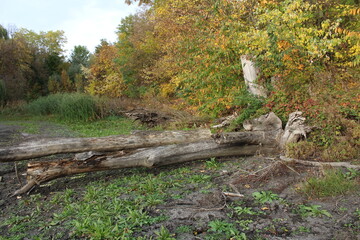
x,y
191,50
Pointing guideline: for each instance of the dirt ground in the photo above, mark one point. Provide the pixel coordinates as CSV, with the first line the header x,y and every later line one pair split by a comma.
x,y
278,219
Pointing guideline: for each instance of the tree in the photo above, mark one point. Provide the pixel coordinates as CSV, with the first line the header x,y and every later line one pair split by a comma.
x,y
138,52
47,51
104,75
66,84
3,33
15,67
79,58
45,42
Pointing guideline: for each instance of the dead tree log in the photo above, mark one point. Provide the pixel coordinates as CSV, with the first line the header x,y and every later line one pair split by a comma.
x,y
39,172
140,139
147,149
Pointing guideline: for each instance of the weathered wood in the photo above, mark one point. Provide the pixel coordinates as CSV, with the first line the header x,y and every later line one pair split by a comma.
x,y
320,164
268,138
140,139
39,172
251,73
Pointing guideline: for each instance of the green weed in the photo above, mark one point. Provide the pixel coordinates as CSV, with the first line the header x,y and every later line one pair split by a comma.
x,y
212,163
244,224
197,178
164,234
302,229
245,211
222,229
265,197
312,211
184,229
357,213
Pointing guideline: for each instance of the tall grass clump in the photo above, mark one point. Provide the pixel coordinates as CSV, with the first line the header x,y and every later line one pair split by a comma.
x,y
333,183
66,106
78,107
48,105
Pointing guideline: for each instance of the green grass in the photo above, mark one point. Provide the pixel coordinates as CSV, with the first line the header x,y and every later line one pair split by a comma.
x,y
111,125
333,183
104,127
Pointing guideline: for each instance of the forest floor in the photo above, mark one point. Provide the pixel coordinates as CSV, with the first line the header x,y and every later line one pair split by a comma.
x,y
184,201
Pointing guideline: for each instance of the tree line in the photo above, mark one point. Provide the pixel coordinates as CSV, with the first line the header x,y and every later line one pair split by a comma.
x,y
33,64
190,50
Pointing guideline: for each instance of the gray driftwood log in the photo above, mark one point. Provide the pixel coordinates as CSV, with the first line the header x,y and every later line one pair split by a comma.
x,y
145,149
139,139
43,171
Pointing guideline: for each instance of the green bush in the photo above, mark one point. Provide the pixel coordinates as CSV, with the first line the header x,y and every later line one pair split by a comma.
x,y
249,104
67,106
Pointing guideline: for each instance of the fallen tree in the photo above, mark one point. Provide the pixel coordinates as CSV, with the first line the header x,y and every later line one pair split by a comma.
x,y
139,139
148,149
43,171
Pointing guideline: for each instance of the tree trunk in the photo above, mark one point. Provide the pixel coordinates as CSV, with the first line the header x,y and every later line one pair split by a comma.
x,y
251,72
139,139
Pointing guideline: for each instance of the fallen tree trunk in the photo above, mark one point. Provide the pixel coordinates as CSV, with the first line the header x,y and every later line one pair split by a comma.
x,y
147,149
140,139
39,172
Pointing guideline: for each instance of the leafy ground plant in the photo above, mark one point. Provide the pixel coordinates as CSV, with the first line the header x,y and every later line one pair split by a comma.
x,y
265,197
212,163
164,234
312,211
224,230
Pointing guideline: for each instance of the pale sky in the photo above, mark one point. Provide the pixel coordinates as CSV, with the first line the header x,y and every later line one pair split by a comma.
x,y
85,22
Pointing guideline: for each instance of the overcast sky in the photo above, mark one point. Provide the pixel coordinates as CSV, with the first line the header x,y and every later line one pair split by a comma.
x,y
85,22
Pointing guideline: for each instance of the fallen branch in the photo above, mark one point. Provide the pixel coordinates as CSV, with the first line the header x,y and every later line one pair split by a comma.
x,y
229,194
320,164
